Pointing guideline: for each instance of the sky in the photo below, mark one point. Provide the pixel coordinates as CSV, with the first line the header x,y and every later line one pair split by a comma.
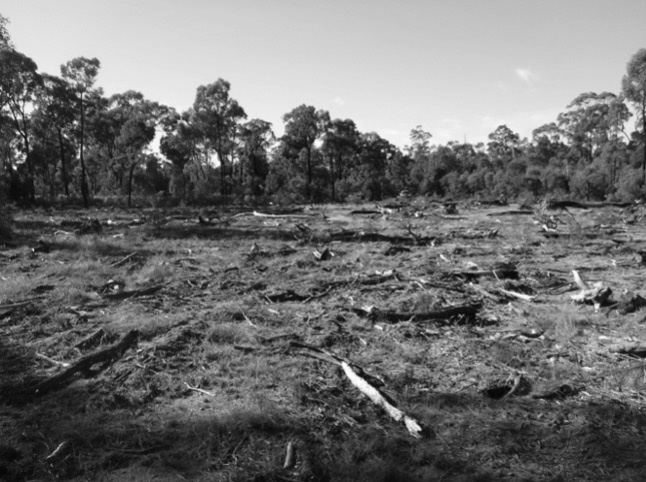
x,y
458,68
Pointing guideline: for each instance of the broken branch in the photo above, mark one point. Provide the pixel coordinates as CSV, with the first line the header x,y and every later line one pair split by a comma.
x,y
108,356
377,398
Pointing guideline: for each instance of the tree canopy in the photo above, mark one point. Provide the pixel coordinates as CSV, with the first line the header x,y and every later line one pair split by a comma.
x,y
62,138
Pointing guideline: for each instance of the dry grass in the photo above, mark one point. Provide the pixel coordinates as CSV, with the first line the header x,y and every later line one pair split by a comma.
x,y
213,391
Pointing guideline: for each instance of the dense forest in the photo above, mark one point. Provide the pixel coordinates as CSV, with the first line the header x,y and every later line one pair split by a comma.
x,y
62,139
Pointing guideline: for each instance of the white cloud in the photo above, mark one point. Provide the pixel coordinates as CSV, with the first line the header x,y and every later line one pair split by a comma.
x,y
527,76
339,101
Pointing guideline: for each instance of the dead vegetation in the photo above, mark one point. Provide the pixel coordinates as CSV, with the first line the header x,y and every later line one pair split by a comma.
x,y
327,343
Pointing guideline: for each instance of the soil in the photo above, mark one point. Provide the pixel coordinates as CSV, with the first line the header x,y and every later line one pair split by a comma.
x,y
246,320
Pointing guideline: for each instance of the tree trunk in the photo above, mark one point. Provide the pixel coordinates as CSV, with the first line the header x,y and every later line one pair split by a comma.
x,y
61,147
332,178
309,173
30,168
644,140
85,192
21,127
130,177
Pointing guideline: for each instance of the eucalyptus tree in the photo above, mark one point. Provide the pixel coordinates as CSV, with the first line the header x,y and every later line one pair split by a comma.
x,y
81,74
55,112
136,120
592,125
304,125
503,146
375,154
19,84
5,38
217,116
591,120
256,138
420,146
180,144
6,134
633,86
340,146
8,139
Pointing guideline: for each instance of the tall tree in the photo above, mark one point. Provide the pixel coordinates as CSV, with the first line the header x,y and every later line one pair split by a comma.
x,y
136,120
19,83
5,38
340,145
81,73
56,112
304,125
503,145
5,131
420,147
633,86
590,121
179,143
256,137
374,156
217,115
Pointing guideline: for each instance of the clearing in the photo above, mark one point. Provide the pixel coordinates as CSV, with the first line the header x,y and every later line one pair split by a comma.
x,y
255,330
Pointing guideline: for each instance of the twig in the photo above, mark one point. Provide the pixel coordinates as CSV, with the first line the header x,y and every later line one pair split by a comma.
x,y
52,361
289,455
122,260
195,389
520,296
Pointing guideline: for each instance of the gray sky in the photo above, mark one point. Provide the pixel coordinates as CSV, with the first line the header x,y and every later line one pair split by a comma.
x,y
459,68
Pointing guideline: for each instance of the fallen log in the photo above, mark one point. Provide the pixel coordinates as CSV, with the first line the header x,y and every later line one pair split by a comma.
x,y
107,356
596,294
498,273
365,211
52,361
122,295
629,303
520,296
361,280
513,212
329,357
377,398
475,234
442,314
592,205
288,295
10,307
361,236
123,260
273,216
90,340
359,378
635,351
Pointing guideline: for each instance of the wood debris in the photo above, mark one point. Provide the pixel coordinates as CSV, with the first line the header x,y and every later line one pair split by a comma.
x,y
413,427
596,294
445,314
122,295
106,357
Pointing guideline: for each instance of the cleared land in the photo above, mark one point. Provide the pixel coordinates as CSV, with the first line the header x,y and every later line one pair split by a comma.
x,y
250,325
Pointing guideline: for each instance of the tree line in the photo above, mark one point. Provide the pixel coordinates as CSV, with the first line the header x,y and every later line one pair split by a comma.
x,y
61,138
